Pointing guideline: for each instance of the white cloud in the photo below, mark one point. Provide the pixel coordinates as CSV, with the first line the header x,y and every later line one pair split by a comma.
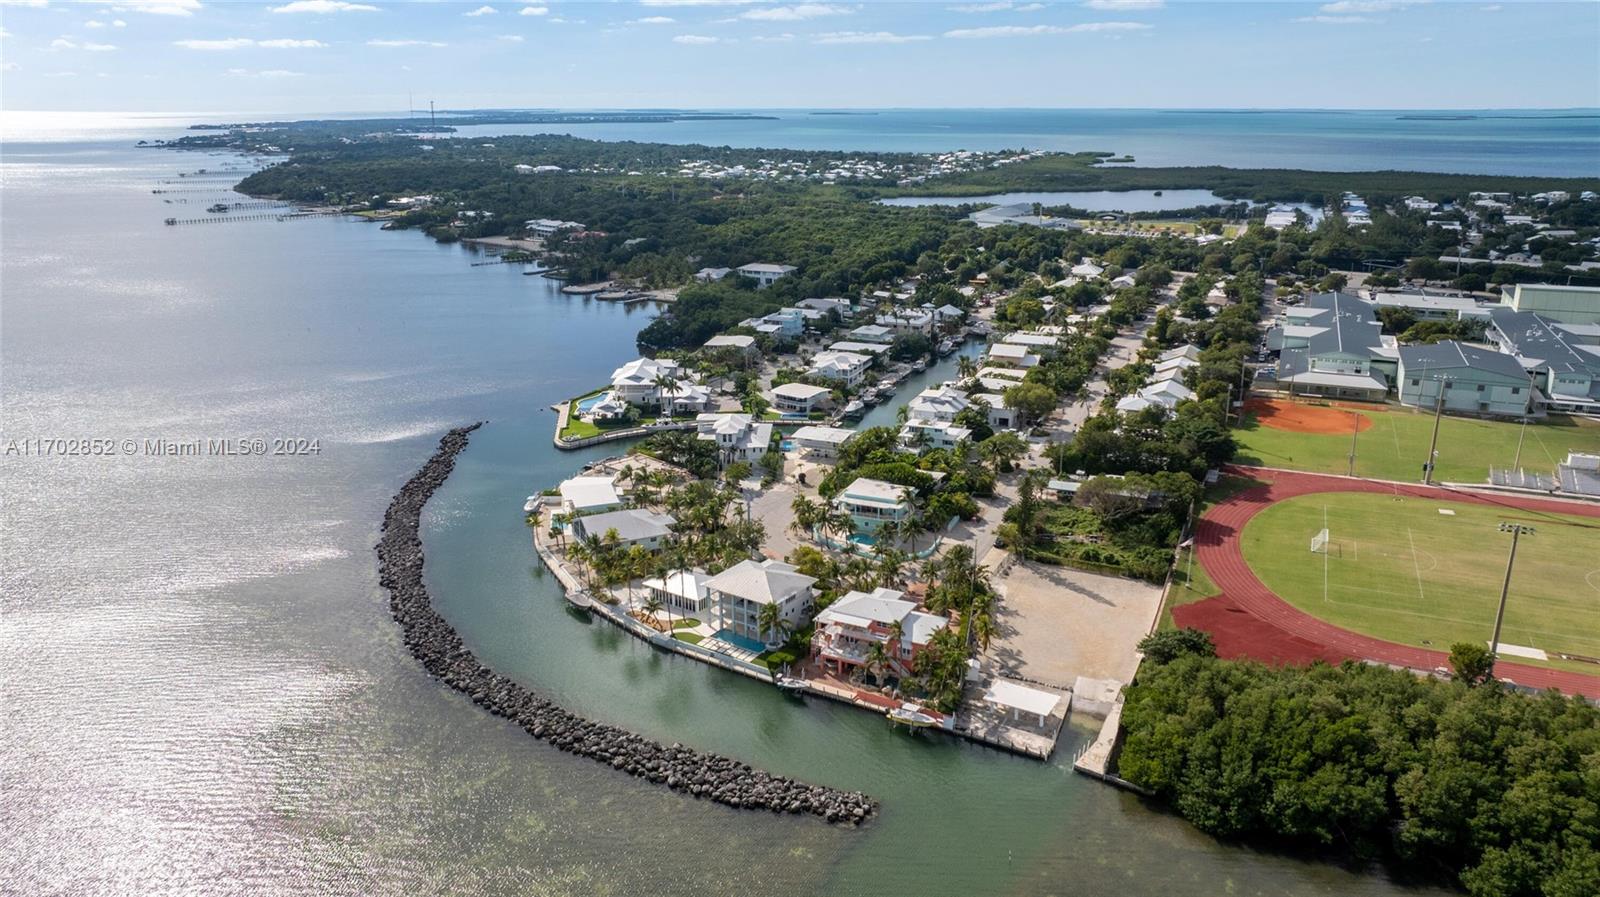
x,y
10,67
511,38
773,38
227,43
403,42
61,74
1001,6
94,24
1028,7
534,11
157,7
1359,6
481,11
796,13
289,43
695,2
264,73
1493,7
653,20
323,7
1124,5
31,4
62,43
694,39
1337,20
868,37
1032,30
118,23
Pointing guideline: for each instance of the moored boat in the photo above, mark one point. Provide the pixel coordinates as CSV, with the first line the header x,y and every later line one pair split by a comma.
x,y
912,715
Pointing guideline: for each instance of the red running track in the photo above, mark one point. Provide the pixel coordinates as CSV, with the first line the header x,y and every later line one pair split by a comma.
x,y
1248,620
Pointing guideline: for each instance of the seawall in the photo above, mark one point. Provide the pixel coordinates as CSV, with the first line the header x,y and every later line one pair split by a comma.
x,y
441,651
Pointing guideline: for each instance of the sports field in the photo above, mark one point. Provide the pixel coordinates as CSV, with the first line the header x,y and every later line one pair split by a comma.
x,y
1428,573
1393,441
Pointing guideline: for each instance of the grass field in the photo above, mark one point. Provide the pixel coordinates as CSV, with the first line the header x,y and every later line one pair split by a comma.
x,y
1396,444
1189,580
1404,571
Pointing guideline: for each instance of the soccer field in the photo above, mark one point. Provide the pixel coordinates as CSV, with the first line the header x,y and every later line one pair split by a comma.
x,y
1395,443
1428,573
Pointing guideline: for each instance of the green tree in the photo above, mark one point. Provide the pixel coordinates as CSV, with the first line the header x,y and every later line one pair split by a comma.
x,y
1471,663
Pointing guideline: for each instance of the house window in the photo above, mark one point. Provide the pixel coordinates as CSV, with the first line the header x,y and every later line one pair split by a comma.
x,y
1516,390
1415,382
1480,387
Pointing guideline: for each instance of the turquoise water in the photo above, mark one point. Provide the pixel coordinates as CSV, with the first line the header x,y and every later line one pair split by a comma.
x,y
205,694
585,404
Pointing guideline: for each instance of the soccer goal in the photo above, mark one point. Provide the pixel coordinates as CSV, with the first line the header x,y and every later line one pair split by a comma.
x,y
1319,542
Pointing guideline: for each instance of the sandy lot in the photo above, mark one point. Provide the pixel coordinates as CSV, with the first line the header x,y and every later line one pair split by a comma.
x,y
1056,624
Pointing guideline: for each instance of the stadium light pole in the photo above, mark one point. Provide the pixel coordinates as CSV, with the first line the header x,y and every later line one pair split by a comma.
x,y
1433,444
1355,428
1516,462
1516,530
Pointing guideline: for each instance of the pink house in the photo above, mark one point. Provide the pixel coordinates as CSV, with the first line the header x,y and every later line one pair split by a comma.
x,y
848,628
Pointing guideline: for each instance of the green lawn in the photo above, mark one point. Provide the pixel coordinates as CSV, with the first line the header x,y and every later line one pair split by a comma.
x,y
1401,570
1396,444
693,638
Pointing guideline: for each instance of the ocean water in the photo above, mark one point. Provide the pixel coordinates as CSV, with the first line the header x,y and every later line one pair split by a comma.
x,y
204,693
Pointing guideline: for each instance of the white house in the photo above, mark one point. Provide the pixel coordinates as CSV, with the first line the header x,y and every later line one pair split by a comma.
x,y
871,503
872,333
587,495
800,398
741,344
740,592
907,320
821,442
859,348
738,437
633,526
764,274
1167,393
937,403
826,304
1000,417
546,227
1011,354
684,591
845,367
1086,268
932,434
708,275
636,381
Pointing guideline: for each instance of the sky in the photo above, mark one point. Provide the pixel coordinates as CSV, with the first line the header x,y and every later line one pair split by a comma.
x,y
323,56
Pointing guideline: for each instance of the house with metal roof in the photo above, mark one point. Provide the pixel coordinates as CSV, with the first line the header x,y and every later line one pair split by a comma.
x,y
1471,379
764,274
633,526
738,437
740,592
871,503
849,628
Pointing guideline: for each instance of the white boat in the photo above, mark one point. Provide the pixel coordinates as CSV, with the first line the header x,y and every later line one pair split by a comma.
x,y
912,715
788,683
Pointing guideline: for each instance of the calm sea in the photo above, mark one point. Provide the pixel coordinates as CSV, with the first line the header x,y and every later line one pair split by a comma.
x,y
204,694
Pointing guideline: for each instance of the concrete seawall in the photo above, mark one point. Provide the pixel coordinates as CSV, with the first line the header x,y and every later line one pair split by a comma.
x,y
441,651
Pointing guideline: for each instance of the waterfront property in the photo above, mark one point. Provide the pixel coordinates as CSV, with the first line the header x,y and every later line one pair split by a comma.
x,y
844,367
1472,380
682,590
937,403
1000,417
877,632
740,345
640,381
738,437
633,526
1012,355
872,503
800,398
589,495
741,591
922,435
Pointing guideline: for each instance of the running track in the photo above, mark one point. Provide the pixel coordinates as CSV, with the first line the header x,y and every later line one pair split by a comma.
x,y
1247,619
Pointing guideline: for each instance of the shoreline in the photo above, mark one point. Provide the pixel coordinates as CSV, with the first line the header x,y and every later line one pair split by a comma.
x,y
430,638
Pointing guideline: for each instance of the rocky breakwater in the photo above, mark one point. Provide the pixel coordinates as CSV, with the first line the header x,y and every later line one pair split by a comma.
x,y
435,643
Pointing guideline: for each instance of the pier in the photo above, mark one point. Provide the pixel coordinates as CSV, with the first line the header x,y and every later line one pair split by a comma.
x,y
259,216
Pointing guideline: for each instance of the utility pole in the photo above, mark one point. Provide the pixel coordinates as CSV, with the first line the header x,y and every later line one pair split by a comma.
x,y
1516,463
1516,530
1433,445
1355,428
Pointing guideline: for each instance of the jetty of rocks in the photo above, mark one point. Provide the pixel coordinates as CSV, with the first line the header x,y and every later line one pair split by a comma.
x,y
440,649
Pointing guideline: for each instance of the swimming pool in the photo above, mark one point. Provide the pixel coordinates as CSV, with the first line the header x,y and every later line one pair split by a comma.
x,y
584,405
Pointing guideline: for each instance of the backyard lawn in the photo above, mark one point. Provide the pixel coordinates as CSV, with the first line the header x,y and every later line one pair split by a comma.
x,y
1393,443
1428,573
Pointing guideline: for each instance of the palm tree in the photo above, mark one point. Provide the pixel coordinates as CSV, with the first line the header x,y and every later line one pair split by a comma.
x,y
772,622
840,524
892,568
877,662
652,606
897,635
807,514
966,368
915,524
884,536
1002,450
665,386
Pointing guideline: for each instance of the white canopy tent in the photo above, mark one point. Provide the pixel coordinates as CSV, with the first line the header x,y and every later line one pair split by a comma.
x,y
1022,698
